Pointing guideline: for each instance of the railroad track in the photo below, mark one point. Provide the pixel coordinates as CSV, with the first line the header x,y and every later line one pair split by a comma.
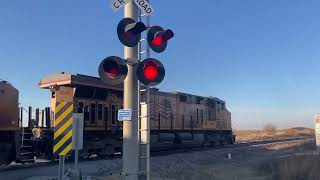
x,y
272,141
236,145
155,153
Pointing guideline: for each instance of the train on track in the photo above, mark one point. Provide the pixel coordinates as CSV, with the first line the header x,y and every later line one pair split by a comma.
x,y
177,120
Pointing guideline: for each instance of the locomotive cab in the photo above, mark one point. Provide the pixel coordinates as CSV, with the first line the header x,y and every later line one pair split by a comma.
x,y
98,103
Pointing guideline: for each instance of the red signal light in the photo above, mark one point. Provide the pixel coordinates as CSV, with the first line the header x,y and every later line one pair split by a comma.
x,y
162,36
150,71
157,41
158,38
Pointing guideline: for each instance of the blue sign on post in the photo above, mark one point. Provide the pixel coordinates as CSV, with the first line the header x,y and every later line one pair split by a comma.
x,y
124,114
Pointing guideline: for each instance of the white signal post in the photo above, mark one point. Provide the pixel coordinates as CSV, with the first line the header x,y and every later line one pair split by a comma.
x,y
130,157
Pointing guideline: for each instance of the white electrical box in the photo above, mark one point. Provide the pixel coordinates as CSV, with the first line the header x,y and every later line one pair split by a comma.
x,y
77,131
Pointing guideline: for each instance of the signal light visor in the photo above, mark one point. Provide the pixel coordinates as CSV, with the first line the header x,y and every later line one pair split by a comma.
x,y
168,34
158,38
129,31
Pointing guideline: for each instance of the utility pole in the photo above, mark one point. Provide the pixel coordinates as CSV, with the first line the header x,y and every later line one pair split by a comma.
x,y
130,157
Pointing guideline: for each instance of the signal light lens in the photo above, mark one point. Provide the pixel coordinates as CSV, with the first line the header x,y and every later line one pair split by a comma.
x,y
150,71
158,38
163,36
157,41
128,35
113,70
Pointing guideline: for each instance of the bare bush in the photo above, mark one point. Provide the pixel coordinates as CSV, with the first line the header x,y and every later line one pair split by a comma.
x,y
269,127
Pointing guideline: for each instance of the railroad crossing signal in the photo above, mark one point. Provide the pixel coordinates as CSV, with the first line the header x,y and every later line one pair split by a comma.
x,y
113,70
129,31
150,72
158,38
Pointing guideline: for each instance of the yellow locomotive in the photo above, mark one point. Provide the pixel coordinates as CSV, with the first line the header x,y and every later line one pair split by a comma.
x,y
177,119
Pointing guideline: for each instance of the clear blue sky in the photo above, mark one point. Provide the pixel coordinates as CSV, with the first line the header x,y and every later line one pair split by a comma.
x,y
262,57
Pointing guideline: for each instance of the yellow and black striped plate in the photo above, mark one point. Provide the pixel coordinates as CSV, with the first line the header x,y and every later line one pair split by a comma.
x,y
63,128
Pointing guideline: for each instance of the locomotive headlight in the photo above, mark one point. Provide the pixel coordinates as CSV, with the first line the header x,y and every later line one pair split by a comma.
x,y
54,88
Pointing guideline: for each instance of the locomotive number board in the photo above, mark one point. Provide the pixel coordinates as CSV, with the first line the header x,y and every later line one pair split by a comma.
x,y
63,128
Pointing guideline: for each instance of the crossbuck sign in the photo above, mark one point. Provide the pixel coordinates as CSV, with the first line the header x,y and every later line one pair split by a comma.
x,y
118,4
143,5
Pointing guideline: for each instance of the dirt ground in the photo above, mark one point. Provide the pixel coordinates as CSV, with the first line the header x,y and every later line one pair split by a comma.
x,y
257,135
247,163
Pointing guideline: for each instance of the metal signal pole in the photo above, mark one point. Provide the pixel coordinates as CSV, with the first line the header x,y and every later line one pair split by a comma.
x,y
130,157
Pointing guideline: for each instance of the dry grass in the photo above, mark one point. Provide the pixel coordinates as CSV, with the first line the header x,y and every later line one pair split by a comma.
x,y
297,146
300,166
247,163
257,135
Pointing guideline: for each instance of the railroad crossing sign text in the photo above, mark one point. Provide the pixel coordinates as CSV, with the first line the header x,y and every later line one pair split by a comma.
x,y
144,6
118,4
